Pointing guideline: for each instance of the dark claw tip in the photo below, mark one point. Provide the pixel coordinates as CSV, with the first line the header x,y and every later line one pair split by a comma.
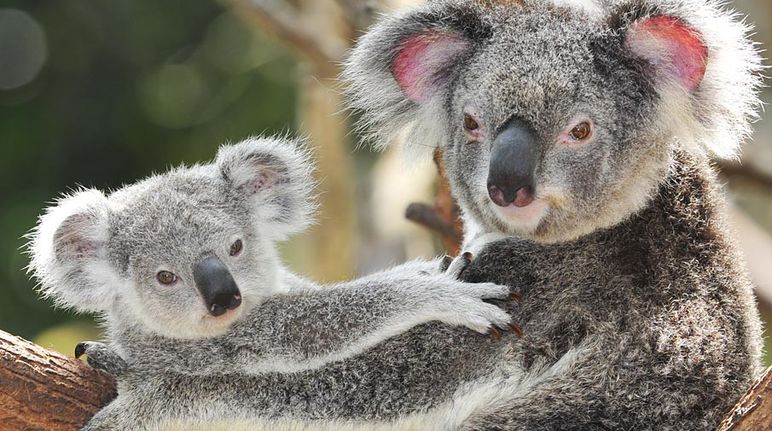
x,y
80,349
516,329
495,333
515,296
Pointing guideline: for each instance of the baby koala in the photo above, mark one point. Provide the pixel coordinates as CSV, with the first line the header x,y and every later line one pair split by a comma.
x,y
191,254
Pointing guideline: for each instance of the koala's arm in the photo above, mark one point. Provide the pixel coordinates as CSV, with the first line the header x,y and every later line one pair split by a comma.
x,y
308,328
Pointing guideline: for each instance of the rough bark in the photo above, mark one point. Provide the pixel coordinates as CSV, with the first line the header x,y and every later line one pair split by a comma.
x,y
754,411
45,390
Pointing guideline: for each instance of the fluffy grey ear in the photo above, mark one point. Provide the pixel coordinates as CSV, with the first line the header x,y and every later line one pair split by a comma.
x,y
68,252
699,58
400,71
275,176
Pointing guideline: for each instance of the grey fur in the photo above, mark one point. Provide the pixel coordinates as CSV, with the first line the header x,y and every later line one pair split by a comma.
x,y
636,309
101,253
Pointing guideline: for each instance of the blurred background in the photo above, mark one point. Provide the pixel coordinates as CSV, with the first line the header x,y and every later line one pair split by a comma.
x,y
101,93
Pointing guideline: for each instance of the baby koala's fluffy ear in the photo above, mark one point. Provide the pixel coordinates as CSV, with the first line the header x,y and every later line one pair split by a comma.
x,y
275,176
68,252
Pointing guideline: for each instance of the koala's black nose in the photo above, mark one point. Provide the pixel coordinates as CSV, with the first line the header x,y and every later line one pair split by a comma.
x,y
513,159
217,286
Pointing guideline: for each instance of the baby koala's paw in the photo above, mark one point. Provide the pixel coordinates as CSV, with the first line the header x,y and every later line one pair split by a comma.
x,y
468,305
473,304
102,357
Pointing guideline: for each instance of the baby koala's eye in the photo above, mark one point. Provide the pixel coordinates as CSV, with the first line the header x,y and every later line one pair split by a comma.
x,y
470,124
166,277
581,131
236,247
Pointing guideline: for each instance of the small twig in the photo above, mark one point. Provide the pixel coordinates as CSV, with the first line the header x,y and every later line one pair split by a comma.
x,y
283,23
444,216
358,13
427,216
746,172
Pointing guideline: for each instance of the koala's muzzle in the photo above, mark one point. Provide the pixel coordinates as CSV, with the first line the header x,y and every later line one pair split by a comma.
x,y
513,159
217,286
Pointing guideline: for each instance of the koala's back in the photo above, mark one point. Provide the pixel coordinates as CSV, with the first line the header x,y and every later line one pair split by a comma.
x,y
408,382
659,306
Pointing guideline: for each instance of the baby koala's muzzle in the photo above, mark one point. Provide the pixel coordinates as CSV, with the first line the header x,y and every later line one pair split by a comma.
x,y
217,286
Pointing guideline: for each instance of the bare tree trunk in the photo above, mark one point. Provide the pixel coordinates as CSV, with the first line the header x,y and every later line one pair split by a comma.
x,y
44,390
319,32
333,237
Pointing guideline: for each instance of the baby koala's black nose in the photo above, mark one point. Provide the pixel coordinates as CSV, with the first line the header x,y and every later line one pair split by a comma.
x,y
217,286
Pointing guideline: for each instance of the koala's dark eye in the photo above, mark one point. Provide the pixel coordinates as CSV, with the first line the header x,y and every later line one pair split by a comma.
x,y
581,131
166,277
236,247
470,124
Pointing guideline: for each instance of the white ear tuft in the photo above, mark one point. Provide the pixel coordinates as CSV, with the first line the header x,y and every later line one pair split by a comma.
x,y
706,69
68,252
400,71
275,176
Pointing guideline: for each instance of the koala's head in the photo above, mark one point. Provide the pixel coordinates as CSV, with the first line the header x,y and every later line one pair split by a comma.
x,y
557,118
183,253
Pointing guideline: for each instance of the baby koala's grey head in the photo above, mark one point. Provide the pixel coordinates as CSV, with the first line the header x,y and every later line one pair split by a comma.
x,y
183,253
557,118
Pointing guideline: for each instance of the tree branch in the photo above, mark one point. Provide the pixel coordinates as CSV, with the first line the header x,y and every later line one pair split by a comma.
x,y
359,13
754,411
282,22
44,390
745,172
444,216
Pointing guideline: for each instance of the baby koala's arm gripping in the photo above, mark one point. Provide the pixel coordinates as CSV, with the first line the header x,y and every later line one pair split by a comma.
x,y
343,320
307,328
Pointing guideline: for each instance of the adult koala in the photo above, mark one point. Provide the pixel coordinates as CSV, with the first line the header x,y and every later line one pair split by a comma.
x,y
581,133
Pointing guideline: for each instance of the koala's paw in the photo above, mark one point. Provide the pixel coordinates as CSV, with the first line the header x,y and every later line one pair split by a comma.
x,y
470,305
473,305
102,357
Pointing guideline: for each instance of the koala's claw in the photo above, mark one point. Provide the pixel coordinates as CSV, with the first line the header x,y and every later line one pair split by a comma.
x,y
497,332
516,329
80,350
459,265
101,357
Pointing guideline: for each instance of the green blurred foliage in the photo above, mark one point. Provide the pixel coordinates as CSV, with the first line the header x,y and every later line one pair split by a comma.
x,y
127,88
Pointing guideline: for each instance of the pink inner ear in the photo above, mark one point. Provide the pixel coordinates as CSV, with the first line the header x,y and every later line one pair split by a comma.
x,y
420,60
265,179
670,44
